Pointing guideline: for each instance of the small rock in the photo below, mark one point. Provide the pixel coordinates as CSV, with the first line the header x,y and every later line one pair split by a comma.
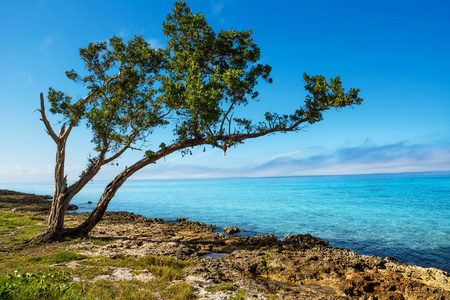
x,y
72,207
231,230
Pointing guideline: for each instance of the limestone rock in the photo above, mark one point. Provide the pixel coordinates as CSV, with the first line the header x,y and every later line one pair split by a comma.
x,y
231,230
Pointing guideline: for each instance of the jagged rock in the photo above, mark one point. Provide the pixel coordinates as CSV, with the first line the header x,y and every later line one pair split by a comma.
x,y
72,207
298,267
304,240
231,230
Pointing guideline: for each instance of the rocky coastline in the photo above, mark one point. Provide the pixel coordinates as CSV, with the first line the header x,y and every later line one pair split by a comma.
x,y
298,267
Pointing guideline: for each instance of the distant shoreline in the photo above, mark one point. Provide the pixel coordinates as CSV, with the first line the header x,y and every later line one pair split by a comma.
x,y
425,173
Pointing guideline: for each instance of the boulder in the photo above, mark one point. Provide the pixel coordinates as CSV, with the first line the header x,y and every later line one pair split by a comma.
x,y
231,230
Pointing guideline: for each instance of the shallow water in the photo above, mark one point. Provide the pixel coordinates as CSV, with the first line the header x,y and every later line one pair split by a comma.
x,y
406,216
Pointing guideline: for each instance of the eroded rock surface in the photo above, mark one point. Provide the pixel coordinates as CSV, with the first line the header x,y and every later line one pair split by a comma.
x,y
300,267
258,267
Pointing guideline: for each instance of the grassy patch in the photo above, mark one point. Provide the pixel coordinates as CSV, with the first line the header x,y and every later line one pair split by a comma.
x,y
240,294
59,257
166,270
221,287
130,290
17,227
164,267
41,280
35,263
24,285
10,220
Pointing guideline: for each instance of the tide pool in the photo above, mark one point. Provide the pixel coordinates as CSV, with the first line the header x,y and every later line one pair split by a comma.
x,y
406,216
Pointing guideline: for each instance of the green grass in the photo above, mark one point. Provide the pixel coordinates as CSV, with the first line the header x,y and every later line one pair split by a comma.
x,y
165,269
40,279
10,220
24,285
221,287
17,227
57,257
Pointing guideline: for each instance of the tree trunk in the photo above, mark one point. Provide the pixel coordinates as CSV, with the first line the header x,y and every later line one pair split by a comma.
x,y
98,212
63,195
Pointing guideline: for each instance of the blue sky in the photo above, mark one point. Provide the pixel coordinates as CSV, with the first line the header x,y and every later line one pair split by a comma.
x,y
396,52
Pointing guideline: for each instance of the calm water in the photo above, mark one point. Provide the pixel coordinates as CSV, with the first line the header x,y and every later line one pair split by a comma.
x,y
406,216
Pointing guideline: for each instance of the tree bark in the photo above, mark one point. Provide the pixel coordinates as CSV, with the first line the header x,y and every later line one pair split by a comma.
x,y
63,195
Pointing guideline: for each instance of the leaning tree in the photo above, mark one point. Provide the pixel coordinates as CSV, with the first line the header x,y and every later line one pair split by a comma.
x,y
191,88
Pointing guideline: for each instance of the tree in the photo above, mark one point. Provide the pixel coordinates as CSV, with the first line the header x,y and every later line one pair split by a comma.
x,y
193,87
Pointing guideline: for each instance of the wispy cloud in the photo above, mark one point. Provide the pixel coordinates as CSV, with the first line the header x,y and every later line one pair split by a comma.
x,y
364,159
45,43
155,43
26,76
25,173
217,6
390,158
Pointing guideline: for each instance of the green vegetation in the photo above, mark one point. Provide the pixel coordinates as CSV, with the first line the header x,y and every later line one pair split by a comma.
x,y
21,285
237,295
221,287
39,271
17,227
54,285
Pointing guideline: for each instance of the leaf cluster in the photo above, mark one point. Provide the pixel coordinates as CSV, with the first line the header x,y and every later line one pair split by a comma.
x,y
120,105
196,83
207,73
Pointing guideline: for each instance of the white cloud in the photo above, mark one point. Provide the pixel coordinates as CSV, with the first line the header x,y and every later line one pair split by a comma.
x,y
390,158
123,33
26,76
217,6
45,43
26,173
155,43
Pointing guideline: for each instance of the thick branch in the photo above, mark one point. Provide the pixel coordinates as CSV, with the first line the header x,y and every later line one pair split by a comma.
x,y
239,137
45,120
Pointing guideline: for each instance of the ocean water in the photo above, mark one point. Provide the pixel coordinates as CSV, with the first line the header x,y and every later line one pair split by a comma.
x,y
406,216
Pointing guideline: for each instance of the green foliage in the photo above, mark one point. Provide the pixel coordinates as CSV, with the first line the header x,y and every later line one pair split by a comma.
x,y
120,103
149,153
196,83
21,285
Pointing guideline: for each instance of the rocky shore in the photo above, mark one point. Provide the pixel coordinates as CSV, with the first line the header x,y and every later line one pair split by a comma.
x,y
224,265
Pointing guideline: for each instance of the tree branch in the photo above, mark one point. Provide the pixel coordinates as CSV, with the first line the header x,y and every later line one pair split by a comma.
x,y
127,145
44,119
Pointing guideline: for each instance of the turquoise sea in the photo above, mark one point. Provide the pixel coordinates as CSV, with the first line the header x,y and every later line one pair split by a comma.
x,y
406,216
